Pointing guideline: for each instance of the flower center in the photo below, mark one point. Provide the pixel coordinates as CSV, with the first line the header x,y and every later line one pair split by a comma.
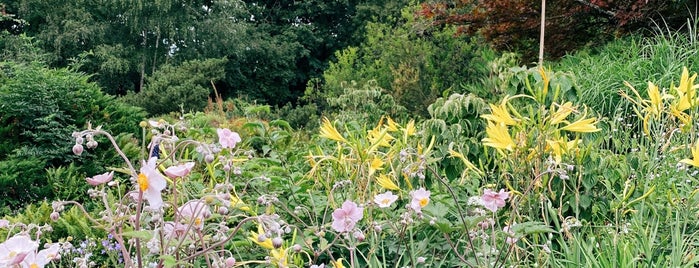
x,y
33,265
423,202
142,182
385,201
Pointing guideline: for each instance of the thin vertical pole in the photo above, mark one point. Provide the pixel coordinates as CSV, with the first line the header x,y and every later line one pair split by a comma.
x,y
541,35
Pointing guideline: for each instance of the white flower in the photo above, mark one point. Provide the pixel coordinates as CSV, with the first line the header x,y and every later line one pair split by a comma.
x,y
385,200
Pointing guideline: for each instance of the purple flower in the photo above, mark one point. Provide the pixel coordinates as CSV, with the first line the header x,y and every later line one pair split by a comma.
x,y
100,179
346,217
492,200
227,138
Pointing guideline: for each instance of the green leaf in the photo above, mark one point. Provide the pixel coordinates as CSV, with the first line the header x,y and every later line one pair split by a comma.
x,y
145,235
168,260
532,228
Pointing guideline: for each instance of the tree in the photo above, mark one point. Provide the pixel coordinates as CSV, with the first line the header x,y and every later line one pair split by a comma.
x,y
570,24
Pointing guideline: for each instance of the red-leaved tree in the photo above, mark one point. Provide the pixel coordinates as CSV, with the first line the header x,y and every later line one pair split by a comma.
x,y
570,24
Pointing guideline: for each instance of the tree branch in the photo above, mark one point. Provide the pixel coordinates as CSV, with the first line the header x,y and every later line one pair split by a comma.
x,y
596,7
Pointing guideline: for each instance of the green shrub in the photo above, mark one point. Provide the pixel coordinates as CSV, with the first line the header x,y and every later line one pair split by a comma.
x,y
39,109
176,88
414,62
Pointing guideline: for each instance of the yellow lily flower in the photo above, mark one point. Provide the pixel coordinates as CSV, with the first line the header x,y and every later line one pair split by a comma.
x,y
498,137
279,257
328,131
556,149
500,114
561,113
695,156
686,82
656,100
410,128
391,125
267,244
686,90
338,263
374,165
685,118
235,202
583,126
381,137
387,183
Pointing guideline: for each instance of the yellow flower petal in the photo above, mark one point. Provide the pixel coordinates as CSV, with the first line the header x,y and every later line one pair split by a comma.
x,y
338,263
380,137
386,183
410,128
499,114
391,125
374,165
582,125
328,131
561,113
695,156
498,137
267,244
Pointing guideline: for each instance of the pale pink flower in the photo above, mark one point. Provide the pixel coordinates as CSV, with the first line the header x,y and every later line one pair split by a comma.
x,y
421,198
180,170
492,200
4,223
227,138
174,230
385,200
151,183
100,179
15,249
195,211
42,258
156,124
346,217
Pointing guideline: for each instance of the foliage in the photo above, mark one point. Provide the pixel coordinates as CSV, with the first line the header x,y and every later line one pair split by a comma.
x,y
39,109
413,62
602,71
514,25
177,88
367,101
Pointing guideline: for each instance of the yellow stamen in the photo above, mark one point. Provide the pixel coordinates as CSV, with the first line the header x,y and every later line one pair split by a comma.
x,y
142,182
423,202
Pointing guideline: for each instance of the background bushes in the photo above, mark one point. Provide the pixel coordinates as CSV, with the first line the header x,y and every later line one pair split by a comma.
x,y
39,110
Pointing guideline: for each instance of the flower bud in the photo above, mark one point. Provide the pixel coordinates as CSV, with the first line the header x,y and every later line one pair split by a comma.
x,y
79,140
143,124
261,238
209,158
54,216
222,210
91,144
297,248
277,242
359,236
77,149
230,262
